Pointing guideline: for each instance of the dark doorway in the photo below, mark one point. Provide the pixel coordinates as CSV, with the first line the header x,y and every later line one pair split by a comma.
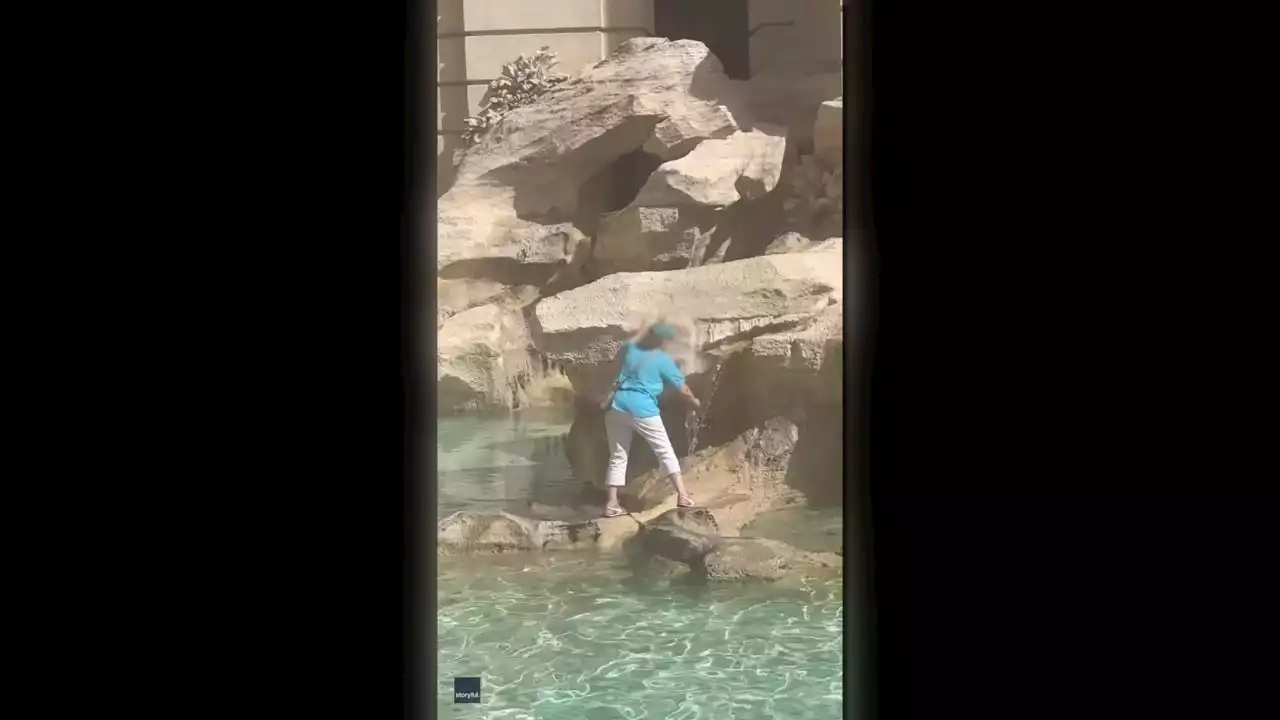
x,y
719,24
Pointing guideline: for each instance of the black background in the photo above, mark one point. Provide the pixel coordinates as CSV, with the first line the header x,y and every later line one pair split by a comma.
x,y
1069,518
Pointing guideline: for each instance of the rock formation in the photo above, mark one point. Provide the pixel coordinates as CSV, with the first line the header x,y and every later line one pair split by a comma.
x,y
719,173
686,212
680,544
482,359
727,303
690,538
501,532
506,232
652,184
651,94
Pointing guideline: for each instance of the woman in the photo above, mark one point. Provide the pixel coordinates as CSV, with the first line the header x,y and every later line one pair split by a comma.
x,y
645,370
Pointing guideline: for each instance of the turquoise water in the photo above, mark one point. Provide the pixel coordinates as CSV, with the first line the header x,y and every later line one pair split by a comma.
x,y
568,635
503,462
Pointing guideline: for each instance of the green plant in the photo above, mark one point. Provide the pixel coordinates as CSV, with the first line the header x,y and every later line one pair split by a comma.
x,y
520,83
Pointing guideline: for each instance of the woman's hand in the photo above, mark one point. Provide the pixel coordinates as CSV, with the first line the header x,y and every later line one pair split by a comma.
x,y
690,398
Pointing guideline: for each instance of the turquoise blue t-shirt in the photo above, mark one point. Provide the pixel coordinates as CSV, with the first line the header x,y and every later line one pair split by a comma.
x,y
643,375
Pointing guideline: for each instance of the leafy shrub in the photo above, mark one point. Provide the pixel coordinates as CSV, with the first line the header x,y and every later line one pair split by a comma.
x,y
520,83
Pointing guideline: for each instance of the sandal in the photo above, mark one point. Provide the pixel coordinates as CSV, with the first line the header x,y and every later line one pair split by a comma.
x,y
684,501
613,511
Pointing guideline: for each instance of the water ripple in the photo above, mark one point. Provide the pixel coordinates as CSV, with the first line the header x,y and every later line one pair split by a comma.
x,y
573,641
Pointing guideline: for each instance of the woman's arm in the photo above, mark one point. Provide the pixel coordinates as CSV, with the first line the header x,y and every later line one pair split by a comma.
x,y
644,330
689,398
673,378
618,361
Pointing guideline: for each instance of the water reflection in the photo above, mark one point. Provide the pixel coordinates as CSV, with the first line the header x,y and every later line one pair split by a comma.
x,y
504,462
816,529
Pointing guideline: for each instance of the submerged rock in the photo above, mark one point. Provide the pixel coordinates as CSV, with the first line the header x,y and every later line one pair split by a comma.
x,y
501,532
670,544
674,542
689,537
750,559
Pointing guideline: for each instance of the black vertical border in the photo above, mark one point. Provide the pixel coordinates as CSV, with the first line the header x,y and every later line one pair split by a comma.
x,y
417,343
862,269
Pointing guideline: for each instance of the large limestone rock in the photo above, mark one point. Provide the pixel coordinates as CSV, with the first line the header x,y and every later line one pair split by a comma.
x,y
482,359
689,209
455,296
719,173
639,238
768,366
652,94
582,329
803,362
479,235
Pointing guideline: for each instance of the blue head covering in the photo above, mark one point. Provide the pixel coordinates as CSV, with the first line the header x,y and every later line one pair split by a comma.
x,y
664,331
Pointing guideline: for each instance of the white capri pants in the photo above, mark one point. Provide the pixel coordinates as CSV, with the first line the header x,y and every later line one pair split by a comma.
x,y
620,426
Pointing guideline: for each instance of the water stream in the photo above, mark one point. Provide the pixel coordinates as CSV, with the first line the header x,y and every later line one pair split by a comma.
x,y
567,635
695,421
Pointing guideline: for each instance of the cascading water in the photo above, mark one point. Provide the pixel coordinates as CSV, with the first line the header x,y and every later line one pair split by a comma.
x,y
695,420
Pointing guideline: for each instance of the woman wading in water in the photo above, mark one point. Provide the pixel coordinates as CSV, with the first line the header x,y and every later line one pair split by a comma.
x,y
646,369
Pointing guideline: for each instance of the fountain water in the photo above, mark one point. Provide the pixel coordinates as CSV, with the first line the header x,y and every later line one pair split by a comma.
x,y
695,420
